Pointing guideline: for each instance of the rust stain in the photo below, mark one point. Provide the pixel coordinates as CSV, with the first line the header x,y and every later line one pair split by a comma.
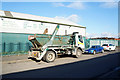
x,y
45,31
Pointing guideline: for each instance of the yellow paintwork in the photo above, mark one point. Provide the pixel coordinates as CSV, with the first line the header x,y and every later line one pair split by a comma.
x,y
80,43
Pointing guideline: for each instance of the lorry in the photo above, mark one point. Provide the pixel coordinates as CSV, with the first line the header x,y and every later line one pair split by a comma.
x,y
47,48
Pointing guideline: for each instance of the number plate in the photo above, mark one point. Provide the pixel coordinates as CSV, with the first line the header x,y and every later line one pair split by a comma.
x,y
35,54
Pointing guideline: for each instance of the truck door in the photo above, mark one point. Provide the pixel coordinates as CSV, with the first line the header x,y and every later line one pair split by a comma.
x,y
80,41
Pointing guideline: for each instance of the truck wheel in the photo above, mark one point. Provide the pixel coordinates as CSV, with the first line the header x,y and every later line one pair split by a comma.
x,y
78,53
94,52
49,57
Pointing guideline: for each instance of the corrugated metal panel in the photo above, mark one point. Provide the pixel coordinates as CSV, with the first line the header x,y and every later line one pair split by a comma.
x,y
41,19
118,42
15,42
102,41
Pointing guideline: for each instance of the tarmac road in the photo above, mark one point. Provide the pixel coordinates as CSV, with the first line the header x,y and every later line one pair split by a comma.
x,y
88,66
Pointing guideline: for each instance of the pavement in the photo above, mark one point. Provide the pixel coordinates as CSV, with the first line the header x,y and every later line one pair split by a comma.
x,y
15,58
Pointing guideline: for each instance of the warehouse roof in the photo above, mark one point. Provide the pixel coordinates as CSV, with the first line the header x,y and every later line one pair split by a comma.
x,y
14,15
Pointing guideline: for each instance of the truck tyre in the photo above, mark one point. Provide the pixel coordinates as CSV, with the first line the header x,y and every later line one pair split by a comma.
x,y
49,56
78,53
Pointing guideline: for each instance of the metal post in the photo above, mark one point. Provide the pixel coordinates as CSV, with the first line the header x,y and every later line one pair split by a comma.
x,y
11,47
27,46
3,47
19,46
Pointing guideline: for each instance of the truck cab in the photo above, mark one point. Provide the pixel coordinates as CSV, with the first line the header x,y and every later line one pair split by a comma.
x,y
77,40
80,41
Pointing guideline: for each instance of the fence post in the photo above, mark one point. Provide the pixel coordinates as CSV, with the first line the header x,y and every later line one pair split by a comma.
x,y
3,47
19,46
100,42
11,47
27,46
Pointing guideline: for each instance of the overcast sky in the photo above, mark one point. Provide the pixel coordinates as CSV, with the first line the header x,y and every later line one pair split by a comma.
x,y
99,18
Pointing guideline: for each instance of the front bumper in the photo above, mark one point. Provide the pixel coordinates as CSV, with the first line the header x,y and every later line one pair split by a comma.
x,y
34,54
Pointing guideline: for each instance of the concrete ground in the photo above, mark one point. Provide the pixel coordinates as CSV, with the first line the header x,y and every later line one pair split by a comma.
x,y
101,65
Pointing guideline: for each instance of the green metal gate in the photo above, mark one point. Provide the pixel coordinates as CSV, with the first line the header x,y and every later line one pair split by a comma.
x,y
102,41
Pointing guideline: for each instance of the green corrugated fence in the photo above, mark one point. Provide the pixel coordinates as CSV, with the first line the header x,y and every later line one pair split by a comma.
x,y
18,43
102,41
13,43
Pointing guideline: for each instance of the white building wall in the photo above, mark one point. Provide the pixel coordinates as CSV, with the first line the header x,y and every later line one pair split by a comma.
x,y
81,31
32,27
